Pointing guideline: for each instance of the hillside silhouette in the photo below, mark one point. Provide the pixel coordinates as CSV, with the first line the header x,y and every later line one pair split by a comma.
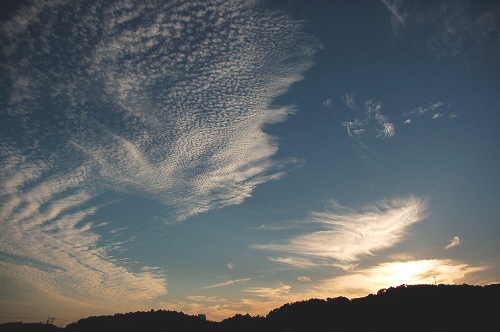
x,y
402,308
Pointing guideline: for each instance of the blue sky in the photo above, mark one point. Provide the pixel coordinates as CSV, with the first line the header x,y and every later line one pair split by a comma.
x,y
228,157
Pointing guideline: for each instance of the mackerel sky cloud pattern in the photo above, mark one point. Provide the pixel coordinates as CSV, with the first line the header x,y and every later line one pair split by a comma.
x,y
165,100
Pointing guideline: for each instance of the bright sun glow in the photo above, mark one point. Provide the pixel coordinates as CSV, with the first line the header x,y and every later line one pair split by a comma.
x,y
370,280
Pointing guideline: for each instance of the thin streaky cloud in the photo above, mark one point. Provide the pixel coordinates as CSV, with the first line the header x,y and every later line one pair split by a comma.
x,y
56,231
278,226
328,103
201,298
277,291
301,263
398,16
373,121
347,235
349,101
447,28
433,110
227,283
453,243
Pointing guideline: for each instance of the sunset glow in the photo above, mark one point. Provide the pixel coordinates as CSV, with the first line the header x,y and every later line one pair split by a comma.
x,y
225,156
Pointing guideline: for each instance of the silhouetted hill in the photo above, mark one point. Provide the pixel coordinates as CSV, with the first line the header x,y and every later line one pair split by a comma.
x,y
28,327
160,320
403,308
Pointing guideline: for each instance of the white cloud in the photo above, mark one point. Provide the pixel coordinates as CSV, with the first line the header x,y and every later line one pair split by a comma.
x,y
47,228
348,234
125,104
304,279
453,243
372,121
349,101
387,130
398,16
301,263
201,298
227,283
328,103
230,266
447,28
275,292
433,110
179,120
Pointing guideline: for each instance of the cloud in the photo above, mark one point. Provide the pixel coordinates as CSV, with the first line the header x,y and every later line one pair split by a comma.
x,y
453,243
447,29
201,298
373,121
277,226
349,101
46,229
230,266
176,119
370,123
275,292
166,106
301,263
304,279
227,283
433,110
398,15
347,235
328,103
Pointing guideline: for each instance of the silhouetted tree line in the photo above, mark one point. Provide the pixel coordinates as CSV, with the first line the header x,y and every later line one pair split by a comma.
x,y
403,308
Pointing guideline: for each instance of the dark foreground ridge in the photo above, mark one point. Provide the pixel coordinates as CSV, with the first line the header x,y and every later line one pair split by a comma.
x,y
403,308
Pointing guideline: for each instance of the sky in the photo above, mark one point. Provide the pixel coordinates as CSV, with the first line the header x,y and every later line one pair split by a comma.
x,y
226,156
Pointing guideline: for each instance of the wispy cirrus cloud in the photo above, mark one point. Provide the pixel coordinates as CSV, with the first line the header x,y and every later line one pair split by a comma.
x,y
433,110
453,243
349,101
124,97
398,15
46,228
202,298
446,28
298,262
372,121
227,283
347,235
275,292
368,122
